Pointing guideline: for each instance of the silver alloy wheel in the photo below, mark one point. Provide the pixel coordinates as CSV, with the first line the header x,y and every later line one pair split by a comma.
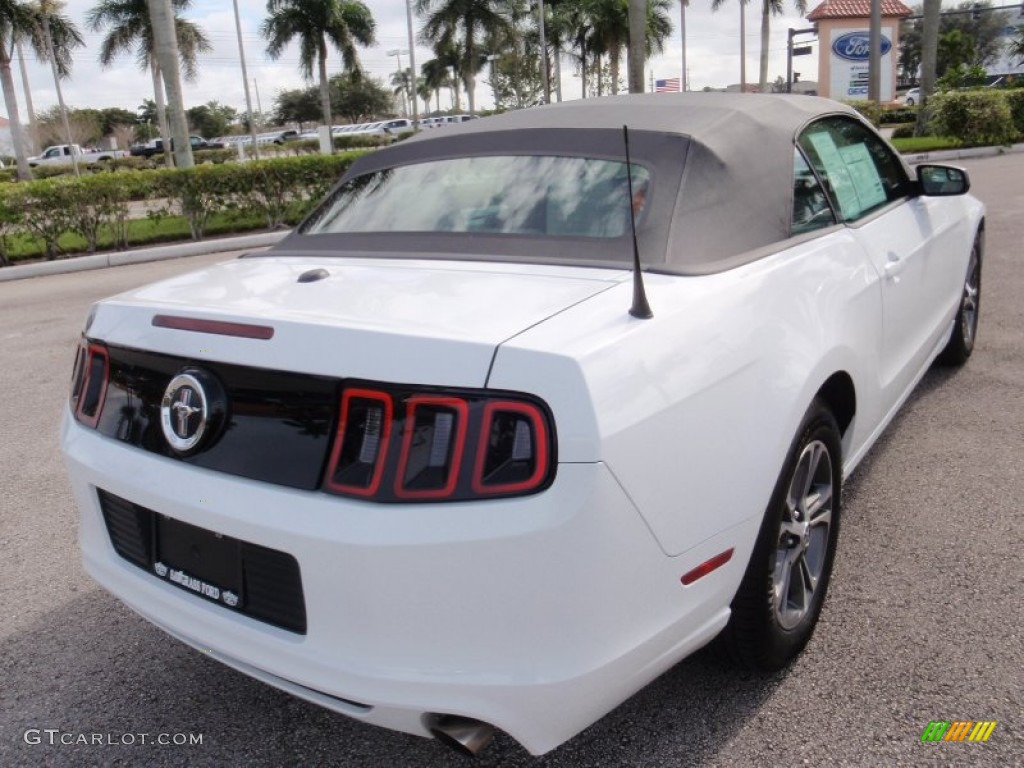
x,y
803,535
969,304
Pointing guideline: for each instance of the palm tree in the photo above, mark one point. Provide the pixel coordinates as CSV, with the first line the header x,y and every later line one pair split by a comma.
x,y
659,26
424,92
572,25
598,27
609,35
400,82
20,21
1016,48
57,35
318,24
554,37
771,8
130,30
436,75
715,5
466,22
448,53
64,35
637,33
929,58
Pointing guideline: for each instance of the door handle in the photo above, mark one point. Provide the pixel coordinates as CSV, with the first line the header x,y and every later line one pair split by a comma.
x,y
893,266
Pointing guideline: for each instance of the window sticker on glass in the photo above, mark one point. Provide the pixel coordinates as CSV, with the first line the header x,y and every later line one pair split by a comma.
x,y
837,174
864,174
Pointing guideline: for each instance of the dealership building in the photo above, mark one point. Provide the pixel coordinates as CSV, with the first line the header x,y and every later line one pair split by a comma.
x,y
843,34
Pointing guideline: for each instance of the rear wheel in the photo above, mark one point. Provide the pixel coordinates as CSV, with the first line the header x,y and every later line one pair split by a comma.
x,y
965,327
777,605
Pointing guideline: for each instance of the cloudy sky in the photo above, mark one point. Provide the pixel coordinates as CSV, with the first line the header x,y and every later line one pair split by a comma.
x,y
713,44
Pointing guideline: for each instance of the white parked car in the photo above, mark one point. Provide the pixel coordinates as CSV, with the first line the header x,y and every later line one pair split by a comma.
x,y
464,461
912,97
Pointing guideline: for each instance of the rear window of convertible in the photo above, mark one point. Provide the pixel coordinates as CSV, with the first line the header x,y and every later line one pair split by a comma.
x,y
510,195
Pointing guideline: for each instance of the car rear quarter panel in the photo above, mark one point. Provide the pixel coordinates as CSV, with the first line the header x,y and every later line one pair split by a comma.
x,y
694,410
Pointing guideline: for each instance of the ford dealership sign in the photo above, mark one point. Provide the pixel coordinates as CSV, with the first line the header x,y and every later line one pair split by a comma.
x,y
856,46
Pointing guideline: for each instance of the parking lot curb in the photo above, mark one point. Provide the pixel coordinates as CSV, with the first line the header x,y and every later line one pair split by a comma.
x,y
141,255
961,154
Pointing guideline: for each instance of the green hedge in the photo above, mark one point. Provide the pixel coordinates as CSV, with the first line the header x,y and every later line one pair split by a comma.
x,y
98,207
216,156
903,131
869,110
974,117
898,115
1015,101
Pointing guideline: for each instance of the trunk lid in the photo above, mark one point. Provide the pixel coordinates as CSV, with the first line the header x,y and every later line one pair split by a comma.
x,y
399,320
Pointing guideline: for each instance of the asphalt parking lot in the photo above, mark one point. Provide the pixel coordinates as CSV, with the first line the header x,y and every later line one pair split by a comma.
x,y
924,620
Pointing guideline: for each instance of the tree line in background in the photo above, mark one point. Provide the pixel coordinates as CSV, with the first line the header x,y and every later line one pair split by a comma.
x,y
971,40
467,37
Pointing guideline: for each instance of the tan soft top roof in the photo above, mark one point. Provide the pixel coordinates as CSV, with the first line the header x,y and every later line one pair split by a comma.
x,y
725,162
701,116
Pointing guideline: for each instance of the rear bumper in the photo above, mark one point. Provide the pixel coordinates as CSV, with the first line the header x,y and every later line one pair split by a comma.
x,y
536,615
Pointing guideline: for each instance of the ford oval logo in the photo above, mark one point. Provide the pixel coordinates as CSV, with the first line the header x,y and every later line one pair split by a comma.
x,y
856,46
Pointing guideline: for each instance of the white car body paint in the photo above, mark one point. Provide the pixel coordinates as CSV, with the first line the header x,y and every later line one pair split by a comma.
x,y
537,614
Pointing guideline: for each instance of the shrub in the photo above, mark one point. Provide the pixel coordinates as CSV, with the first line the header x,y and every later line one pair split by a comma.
x,y
871,111
361,141
303,146
125,163
1015,101
904,131
898,115
284,185
46,210
274,190
973,117
52,171
962,76
10,218
215,156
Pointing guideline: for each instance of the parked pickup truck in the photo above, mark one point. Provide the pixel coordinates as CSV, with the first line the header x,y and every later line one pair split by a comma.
x,y
156,146
61,154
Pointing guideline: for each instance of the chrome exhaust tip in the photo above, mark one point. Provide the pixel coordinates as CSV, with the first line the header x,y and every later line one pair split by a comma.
x,y
463,734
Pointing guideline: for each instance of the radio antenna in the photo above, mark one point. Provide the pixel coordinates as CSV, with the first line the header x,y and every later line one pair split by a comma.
x,y
640,309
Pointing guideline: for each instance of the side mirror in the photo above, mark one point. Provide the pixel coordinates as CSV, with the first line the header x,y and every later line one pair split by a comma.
x,y
942,180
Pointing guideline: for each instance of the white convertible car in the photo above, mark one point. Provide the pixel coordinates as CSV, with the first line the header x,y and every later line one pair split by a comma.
x,y
453,457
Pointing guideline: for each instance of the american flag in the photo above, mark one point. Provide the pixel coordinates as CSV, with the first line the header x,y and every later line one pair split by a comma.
x,y
672,85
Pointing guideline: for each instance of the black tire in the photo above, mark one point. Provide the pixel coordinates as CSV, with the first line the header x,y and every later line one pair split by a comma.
x,y
910,102
767,630
965,327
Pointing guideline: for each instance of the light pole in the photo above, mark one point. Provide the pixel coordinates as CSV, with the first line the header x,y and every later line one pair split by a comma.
x,y
412,67
48,41
491,58
682,36
397,53
245,81
543,53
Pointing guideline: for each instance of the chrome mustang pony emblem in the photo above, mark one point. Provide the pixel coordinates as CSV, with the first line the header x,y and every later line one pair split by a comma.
x,y
189,403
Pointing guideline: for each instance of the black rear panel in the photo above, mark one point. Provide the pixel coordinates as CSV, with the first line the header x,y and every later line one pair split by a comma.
x,y
278,423
259,582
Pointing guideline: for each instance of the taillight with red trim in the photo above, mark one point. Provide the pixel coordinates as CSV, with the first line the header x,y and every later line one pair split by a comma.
x,y
396,444
89,382
512,456
361,445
